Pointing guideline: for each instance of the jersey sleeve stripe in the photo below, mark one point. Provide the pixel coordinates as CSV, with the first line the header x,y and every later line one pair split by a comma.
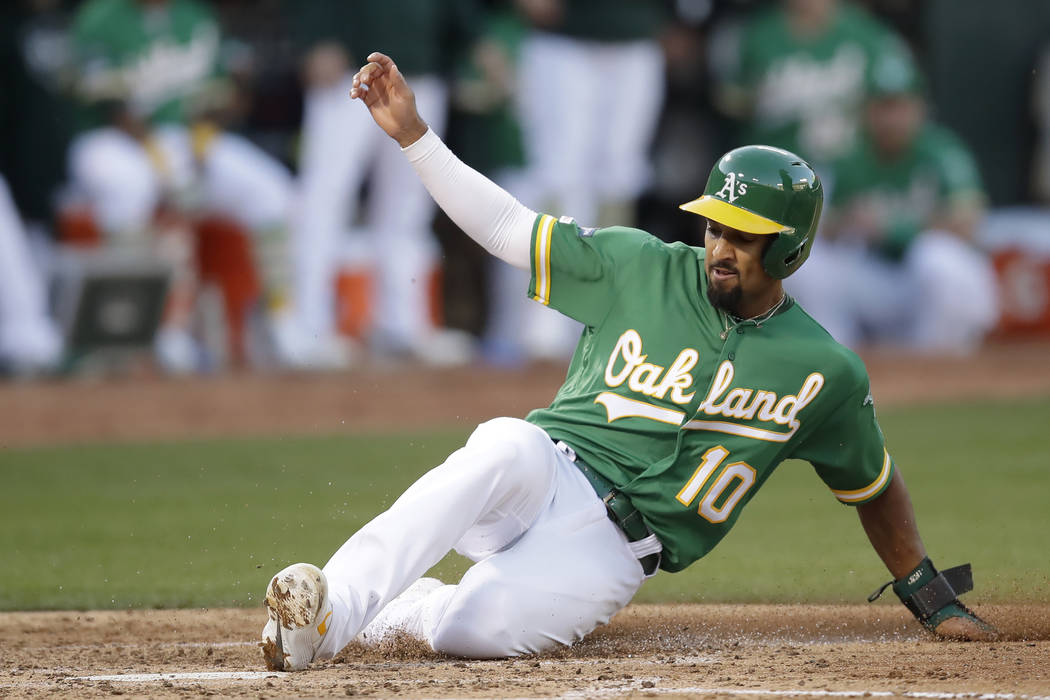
x,y
542,254
873,488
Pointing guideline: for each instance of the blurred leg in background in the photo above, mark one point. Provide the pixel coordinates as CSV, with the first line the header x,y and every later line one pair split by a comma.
x,y
29,341
406,252
587,141
337,148
956,298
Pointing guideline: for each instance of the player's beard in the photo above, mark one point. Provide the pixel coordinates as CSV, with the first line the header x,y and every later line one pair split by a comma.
x,y
727,300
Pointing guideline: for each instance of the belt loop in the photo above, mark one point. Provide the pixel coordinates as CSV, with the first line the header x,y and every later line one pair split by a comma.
x,y
569,452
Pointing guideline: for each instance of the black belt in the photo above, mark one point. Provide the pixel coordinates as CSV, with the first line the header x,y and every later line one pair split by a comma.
x,y
620,510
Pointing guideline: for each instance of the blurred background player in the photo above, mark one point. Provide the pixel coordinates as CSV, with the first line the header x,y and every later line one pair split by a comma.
x,y
484,126
590,87
773,60
792,75
34,134
151,80
341,153
896,262
29,341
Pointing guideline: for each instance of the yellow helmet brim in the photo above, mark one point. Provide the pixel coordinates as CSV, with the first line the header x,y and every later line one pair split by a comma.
x,y
732,216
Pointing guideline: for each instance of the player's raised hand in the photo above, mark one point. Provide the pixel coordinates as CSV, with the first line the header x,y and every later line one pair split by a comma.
x,y
380,85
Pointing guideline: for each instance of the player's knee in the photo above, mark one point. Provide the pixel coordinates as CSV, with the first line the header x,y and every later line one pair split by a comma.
x,y
512,434
115,175
941,257
511,442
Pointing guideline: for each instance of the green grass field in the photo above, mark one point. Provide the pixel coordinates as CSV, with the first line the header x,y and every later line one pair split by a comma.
x,y
205,524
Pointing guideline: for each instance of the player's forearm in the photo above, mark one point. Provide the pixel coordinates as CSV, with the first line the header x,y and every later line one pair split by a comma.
x,y
889,522
487,213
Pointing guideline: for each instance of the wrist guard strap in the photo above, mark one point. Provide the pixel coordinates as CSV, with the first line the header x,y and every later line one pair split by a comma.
x,y
925,591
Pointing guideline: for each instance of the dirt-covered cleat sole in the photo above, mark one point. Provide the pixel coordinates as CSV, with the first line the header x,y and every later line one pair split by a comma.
x,y
298,617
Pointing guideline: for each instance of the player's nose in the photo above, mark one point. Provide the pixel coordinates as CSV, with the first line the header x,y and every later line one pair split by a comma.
x,y
720,250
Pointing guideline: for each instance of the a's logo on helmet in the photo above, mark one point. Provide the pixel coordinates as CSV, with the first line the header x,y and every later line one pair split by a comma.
x,y
731,189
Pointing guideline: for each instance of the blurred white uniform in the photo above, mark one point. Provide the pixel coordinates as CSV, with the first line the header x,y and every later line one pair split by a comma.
x,y
341,148
28,338
123,182
588,112
123,185
942,297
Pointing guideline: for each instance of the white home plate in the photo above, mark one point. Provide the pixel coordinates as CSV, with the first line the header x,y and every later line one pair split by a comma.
x,y
203,676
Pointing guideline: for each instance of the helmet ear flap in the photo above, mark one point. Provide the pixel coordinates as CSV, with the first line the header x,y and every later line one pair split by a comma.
x,y
792,247
786,254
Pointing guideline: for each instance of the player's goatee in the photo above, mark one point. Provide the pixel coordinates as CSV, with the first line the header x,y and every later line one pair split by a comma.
x,y
725,299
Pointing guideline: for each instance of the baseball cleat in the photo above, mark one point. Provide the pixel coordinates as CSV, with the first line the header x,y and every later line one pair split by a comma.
x,y
299,614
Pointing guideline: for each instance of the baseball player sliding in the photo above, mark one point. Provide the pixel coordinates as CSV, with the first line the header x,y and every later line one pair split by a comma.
x,y
695,376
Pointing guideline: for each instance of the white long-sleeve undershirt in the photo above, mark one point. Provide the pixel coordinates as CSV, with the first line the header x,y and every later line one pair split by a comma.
x,y
486,212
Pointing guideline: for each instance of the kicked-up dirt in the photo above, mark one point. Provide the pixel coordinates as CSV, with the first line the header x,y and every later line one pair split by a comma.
x,y
728,651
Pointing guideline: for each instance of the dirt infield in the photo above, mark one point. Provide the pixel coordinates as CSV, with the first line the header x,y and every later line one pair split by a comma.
x,y
698,651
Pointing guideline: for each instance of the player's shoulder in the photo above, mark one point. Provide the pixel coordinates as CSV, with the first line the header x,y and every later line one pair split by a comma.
x,y
830,357
624,238
196,9
768,23
97,15
858,158
941,148
937,138
860,22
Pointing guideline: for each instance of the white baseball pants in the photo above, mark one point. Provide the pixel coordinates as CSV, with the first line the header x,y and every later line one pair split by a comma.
x,y
550,567
942,297
27,334
341,147
115,175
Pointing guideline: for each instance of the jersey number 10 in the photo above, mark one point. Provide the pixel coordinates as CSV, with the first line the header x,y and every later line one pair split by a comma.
x,y
738,475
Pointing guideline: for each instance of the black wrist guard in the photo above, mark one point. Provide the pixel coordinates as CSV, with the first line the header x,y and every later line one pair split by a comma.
x,y
932,596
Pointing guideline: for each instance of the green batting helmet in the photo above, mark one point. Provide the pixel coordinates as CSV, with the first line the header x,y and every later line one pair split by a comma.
x,y
765,190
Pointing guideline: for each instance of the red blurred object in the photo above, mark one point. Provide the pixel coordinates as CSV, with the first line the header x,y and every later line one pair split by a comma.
x,y
355,300
77,227
1024,293
224,258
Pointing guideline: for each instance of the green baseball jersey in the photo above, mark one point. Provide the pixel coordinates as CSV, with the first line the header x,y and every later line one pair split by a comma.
x,y
156,59
804,94
906,191
684,409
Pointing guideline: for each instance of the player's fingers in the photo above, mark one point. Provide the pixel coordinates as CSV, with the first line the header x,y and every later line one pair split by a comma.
x,y
363,93
381,59
368,73
364,79
386,65
357,89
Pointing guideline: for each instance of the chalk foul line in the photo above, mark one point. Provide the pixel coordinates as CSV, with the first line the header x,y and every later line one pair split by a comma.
x,y
800,692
